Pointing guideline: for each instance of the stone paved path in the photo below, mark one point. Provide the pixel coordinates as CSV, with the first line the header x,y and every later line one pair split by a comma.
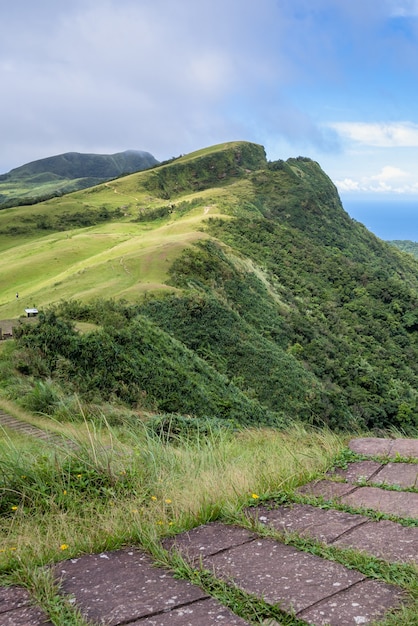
x,y
124,587
24,428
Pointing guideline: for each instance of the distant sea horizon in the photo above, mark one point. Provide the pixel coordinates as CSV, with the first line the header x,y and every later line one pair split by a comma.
x,y
392,218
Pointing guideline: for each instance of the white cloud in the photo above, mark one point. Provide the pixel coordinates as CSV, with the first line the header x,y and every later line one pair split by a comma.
x,y
403,8
379,134
388,180
389,173
348,184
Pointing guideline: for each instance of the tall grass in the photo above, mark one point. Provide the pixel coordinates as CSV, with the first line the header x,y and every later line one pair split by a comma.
x,y
119,485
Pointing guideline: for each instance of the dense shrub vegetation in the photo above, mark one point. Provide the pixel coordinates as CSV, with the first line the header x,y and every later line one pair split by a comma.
x,y
136,363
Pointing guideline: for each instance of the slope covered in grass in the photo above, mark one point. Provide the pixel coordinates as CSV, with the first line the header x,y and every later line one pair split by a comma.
x,y
252,268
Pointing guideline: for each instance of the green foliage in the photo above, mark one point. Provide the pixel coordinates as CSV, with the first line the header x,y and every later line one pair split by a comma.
x,y
258,366
205,171
37,484
286,307
140,365
352,322
406,246
176,428
62,221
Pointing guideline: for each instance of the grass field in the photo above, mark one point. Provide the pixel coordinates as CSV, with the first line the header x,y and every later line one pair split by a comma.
x,y
50,251
117,259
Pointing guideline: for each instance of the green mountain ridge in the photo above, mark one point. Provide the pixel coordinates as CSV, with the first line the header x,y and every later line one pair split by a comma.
x,y
222,286
64,173
406,246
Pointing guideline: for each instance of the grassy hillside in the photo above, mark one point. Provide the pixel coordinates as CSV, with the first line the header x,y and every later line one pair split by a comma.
x,y
117,239
221,286
61,174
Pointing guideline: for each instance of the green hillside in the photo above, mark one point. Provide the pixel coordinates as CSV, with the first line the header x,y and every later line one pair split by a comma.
x,y
61,174
406,246
219,285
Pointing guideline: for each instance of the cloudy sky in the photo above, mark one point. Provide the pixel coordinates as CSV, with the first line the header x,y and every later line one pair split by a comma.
x,y
335,80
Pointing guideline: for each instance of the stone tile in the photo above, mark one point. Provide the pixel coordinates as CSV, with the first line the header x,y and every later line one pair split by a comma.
x,y
121,586
208,539
375,446
371,446
16,609
363,603
384,539
405,447
13,598
327,489
25,616
400,503
359,470
324,525
202,613
280,573
401,474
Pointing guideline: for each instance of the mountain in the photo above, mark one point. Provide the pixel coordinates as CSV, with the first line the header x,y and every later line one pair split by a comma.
x,y
67,172
218,285
406,245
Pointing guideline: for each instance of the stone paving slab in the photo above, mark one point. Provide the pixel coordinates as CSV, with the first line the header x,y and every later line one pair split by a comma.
x,y
280,573
122,586
304,519
399,503
375,446
327,489
400,474
359,470
371,446
202,613
299,581
407,448
13,598
16,609
365,602
383,539
208,539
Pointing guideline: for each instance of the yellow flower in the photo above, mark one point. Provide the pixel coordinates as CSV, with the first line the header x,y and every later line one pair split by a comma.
x,y
255,496
65,492
160,523
79,475
63,546
13,549
167,501
153,498
14,508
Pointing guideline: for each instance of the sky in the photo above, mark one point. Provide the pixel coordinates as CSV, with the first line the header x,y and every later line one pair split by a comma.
x,y
333,80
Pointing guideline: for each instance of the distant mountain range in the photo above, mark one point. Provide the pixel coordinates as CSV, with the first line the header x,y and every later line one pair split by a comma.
x,y
64,173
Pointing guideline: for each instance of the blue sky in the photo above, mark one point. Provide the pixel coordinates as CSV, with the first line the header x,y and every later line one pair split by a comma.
x,y
335,80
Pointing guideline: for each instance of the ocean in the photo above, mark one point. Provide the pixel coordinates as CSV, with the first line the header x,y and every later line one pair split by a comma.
x,y
388,219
